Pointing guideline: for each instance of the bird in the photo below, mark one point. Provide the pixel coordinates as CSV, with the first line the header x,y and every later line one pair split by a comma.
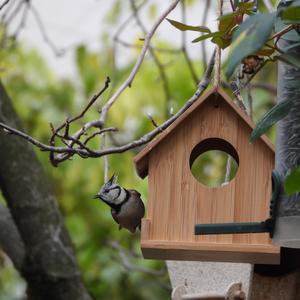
x,y
127,207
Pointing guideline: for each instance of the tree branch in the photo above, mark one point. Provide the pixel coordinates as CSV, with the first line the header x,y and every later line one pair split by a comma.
x,y
66,152
49,267
3,4
160,67
183,45
10,239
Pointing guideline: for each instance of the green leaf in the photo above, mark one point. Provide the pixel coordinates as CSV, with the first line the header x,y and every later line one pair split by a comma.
x,y
227,22
206,36
276,113
184,27
292,182
249,38
221,42
291,14
290,59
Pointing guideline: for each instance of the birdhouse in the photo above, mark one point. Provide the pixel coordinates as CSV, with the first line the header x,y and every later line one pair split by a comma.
x,y
178,202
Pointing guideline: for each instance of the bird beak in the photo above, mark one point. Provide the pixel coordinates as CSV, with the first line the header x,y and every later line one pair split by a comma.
x,y
96,197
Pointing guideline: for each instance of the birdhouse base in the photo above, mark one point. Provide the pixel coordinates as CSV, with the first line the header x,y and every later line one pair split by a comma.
x,y
256,254
207,251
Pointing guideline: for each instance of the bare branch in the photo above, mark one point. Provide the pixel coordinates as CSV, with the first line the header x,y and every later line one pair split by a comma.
x,y
160,67
67,152
10,240
3,4
75,146
22,22
128,82
149,136
217,72
10,14
183,45
66,124
250,101
203,43
110,129
152,120
57,51
238,96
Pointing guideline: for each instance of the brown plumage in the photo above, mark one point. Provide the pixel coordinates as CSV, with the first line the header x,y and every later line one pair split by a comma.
x,y
127,207
130,213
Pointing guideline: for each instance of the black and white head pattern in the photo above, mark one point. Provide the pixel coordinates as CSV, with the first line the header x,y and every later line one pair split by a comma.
x,y
111,192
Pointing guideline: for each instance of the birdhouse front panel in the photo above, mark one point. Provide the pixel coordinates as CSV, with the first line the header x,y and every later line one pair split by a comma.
x,y
177,201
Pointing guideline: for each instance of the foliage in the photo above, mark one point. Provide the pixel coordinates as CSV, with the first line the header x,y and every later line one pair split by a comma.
x,y
292,181
275,114
41,98
227,25
252,37
249,38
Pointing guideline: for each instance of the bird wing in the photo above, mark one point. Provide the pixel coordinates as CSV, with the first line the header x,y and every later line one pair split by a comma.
x,y
135,192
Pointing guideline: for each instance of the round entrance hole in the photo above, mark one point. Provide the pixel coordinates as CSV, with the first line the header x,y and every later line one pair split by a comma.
x,y
214,162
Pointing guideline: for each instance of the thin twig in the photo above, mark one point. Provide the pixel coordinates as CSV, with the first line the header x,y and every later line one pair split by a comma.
x,y
250,101
3,4
203,43
105,158
152,120
64,153
228,169
67,152
217,74
160,67
116,40
67,123
22,22
238,97
9,16
57,51
183,45
110,129
128,82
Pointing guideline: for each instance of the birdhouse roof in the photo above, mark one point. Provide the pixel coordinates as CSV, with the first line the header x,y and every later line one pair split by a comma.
x,y
142,158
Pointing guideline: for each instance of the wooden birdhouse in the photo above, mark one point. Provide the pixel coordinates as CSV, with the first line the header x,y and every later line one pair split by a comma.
x,y
177,201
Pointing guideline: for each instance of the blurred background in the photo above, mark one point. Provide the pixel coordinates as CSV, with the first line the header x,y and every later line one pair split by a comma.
x,y
54,56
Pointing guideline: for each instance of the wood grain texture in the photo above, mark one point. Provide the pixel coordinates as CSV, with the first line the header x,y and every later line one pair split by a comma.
x,y
177,201
141,160
188,251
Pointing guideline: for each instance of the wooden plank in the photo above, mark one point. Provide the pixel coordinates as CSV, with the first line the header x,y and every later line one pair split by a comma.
x,y
177,201
256,254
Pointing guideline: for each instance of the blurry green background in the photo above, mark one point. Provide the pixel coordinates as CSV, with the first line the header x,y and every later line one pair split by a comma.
x,y
40,98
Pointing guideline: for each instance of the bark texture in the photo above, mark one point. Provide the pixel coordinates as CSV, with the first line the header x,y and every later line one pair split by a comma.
x,y
10,239
49,266
284,286
288,129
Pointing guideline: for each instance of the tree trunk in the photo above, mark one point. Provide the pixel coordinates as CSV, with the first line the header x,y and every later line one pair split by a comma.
x,y
285,286
49,266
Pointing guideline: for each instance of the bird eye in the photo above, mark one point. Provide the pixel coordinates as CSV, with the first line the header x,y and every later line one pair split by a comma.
x,y
105,191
